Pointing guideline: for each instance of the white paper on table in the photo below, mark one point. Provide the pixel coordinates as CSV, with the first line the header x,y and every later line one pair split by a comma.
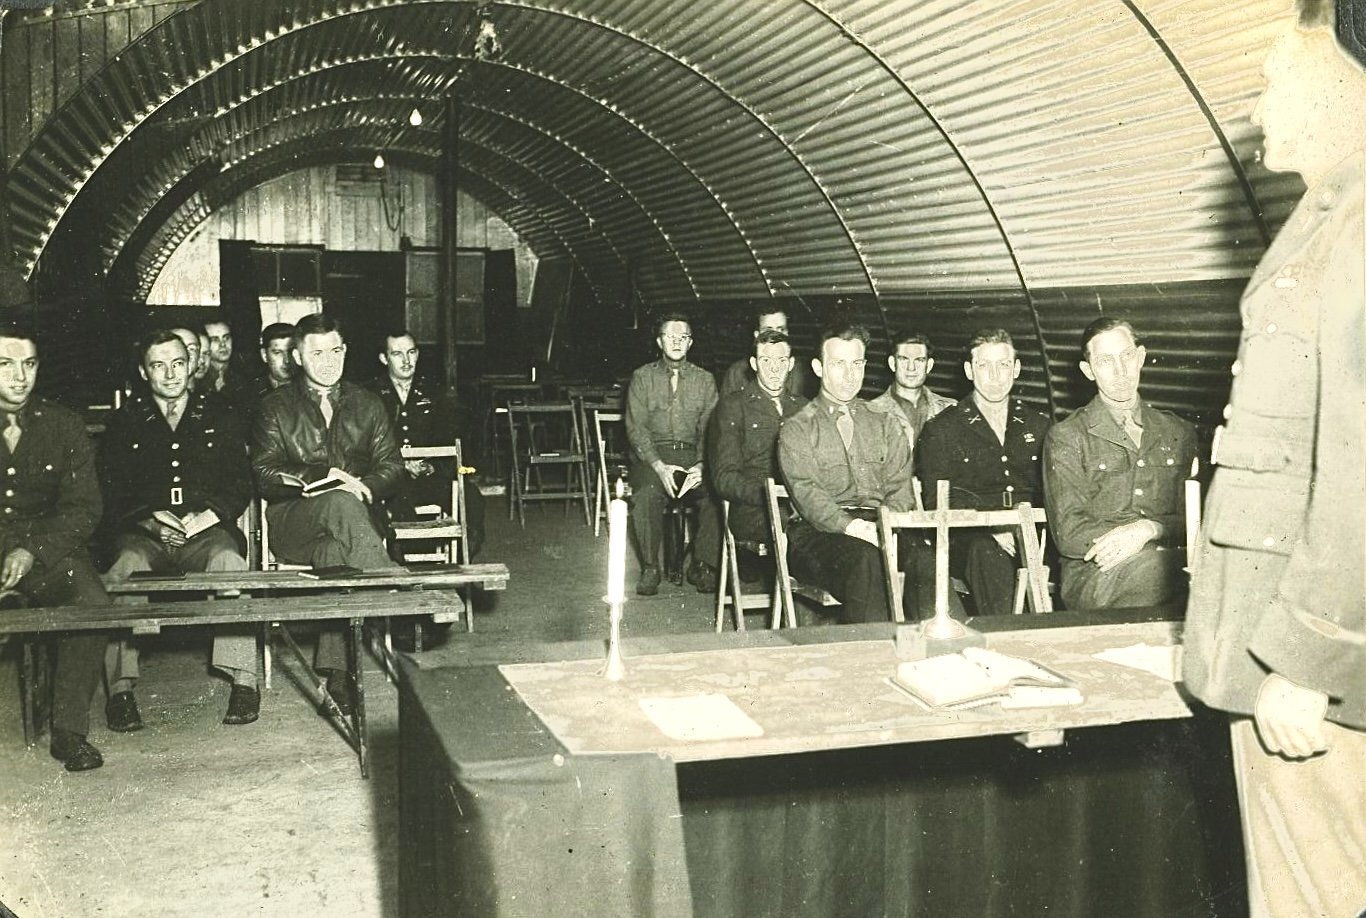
x,y
698,718
1162,661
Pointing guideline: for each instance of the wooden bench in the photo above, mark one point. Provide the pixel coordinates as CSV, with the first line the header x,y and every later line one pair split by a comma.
x,y
271,598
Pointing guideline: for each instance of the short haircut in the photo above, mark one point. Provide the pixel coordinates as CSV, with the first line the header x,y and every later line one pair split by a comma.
x,y
396,333
763,311
274,332
219,320
1314,14
18,332
771,336
672,315
845,331
1101,326
913,337
317,324
152,339
988,336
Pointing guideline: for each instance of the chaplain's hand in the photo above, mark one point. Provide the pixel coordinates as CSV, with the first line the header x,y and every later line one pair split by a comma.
x,y
863,529
1290,718
16,564
1122,543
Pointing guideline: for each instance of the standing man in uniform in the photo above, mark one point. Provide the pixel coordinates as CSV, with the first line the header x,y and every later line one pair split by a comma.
x,y
49,510
1276,624
320,426
908,399
842,461
1114,475
177,455
987,447
742,444
668,406
423,419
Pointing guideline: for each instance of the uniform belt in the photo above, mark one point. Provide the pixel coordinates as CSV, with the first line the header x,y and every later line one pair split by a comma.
x,y
862,513
177,496
673,444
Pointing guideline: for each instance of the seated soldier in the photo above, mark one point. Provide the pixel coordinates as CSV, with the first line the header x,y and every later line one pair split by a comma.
x,y
1113,478
50,507
842,461
667,409
742,440
316,427
423,419
174,468
908,399
740,372
277,346
987,447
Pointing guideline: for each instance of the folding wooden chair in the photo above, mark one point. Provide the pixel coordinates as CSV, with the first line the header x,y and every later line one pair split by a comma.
x,y
437,523
556,421
787,585
1032,580
728,590
608,436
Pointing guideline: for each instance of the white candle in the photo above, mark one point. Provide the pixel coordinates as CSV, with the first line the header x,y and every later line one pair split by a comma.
x,y
1192,518
616,551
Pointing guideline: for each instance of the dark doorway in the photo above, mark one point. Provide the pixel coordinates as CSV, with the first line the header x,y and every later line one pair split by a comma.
x,y
364,291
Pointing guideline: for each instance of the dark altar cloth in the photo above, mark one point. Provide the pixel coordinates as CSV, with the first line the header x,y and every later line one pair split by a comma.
x,y
497,819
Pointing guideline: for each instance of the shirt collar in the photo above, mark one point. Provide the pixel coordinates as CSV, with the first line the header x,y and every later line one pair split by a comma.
x,y
1118,413
164,404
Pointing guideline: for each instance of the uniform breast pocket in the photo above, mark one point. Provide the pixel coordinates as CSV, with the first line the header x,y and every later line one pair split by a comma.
x,y
1277,375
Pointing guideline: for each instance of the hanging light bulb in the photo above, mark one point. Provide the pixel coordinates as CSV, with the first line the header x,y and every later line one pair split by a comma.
x,y
379,160
415,118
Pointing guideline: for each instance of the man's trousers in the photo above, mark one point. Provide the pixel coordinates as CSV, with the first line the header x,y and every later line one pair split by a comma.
x,y
73,581
649,501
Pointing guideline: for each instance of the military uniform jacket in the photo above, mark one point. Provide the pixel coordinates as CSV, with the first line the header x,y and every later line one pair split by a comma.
x,y
1289,489
50,504
888,403
202,464
658,417
959,446
1095,478
423,420
290,435
742,443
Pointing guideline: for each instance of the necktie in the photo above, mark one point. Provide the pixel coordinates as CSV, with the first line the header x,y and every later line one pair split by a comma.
x,y
778,403
673,380
173,414
325,404
844,423
1132,429
12,432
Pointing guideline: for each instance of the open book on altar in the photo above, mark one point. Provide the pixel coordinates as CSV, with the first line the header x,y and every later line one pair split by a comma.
x,y
978,676
329,483
191,524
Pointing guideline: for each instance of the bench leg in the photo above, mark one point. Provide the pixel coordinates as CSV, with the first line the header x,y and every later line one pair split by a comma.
x,y
264,640
360,728
35,689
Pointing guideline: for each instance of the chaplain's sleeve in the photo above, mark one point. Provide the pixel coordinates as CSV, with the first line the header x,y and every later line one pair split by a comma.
x,y
1314,629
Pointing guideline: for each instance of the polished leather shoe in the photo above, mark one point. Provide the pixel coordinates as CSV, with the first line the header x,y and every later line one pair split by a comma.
x,y
339,687
122,713
648,584
703,576
244,705
72,750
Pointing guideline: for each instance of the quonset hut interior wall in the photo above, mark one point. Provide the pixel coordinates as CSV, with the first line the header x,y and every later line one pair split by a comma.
x,y
934,165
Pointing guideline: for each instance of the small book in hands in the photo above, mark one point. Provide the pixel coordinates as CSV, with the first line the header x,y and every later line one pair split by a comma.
x,y
680,476
328,483
190,525
978,676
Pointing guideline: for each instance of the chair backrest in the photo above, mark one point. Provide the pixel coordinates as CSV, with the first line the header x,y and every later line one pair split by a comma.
x,y
521,418
453,452
1024,518
775,495
268,560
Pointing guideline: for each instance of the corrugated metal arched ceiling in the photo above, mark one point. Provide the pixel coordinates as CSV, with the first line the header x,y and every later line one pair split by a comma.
x,y
705,151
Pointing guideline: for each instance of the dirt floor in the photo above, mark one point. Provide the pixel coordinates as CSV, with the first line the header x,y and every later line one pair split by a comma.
x,y
190,818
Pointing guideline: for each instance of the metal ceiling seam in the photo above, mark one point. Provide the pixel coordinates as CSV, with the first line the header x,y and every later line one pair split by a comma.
x,y
1235,164
298,27
971,173
646,211
277,84
758,262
